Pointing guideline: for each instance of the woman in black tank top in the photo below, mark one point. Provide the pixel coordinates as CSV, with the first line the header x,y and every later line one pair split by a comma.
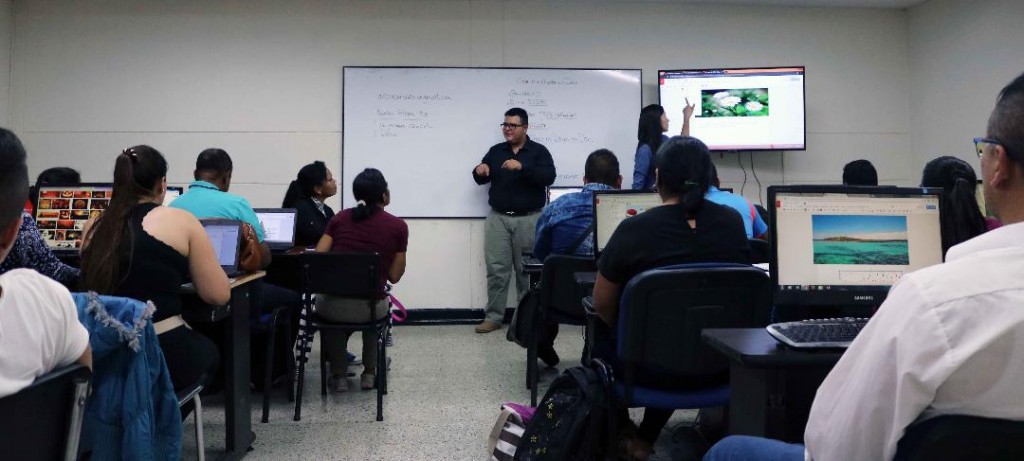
x,y
121,258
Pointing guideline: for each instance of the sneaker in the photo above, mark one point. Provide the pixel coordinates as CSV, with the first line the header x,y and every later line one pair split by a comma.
x,y
548,355
352,360
337,384
487,326
367,381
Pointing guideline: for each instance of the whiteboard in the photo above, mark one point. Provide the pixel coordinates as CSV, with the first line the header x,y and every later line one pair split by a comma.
x,y
426,128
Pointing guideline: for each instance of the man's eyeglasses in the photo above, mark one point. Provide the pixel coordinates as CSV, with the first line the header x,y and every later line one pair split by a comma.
x,y
979,144
510,126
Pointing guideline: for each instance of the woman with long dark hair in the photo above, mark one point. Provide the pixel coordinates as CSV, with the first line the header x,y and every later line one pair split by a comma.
x,y
365,227
140,249
650,135
686,228
306,194
961,217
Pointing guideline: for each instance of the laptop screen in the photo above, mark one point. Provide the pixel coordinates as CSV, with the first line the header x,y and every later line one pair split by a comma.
x,y
278,224
613,207
224,235
172,193
555,191
61,212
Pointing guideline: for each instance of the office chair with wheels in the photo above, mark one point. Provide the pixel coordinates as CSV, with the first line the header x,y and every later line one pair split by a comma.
x,y
44,420
350,275
559,301
962,438
661,315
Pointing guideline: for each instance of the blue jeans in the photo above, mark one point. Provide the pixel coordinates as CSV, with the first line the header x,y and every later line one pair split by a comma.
x,y
743,447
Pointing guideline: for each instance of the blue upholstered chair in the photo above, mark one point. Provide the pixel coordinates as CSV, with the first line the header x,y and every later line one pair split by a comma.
x,y
661,314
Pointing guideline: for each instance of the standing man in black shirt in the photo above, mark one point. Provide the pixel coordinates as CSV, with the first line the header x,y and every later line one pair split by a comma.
x,y
518,170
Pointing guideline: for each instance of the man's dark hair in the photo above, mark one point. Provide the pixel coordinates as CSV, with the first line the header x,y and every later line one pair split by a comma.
x,y
1006,124
60,176
214,160
13,178
683,171
860,173
518,112
602,166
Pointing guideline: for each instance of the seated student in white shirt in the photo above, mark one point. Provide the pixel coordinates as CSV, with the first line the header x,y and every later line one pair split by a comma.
x,y
39,328
948,340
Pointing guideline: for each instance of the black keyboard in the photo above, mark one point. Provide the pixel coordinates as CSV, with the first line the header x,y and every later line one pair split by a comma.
x,y
818,334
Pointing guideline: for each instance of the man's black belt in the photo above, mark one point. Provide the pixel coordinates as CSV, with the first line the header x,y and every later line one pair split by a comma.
x,y
519,213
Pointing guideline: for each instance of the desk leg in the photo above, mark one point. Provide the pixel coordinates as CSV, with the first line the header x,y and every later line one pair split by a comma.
x,y
748,404
237,408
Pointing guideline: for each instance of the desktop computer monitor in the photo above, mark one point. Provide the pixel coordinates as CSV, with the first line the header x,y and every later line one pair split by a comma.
x,y
172,193
846,246
557,191
61,212
611,207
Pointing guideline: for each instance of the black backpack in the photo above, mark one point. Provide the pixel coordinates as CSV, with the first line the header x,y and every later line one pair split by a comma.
x,y
571,422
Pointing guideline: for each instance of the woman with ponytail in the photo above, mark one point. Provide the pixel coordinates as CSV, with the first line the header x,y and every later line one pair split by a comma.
x,y
365,227
140,249
686,228
961,218
306,194
650,136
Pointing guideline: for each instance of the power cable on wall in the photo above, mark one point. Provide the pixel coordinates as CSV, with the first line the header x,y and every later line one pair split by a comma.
x,y
760,198
739,159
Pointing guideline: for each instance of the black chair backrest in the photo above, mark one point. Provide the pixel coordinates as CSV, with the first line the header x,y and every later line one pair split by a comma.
x,y
559,291
959,437
347,274
759,251
663,311
40,422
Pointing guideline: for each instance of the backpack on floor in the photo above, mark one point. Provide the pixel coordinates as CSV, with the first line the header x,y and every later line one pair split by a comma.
x,y
571,421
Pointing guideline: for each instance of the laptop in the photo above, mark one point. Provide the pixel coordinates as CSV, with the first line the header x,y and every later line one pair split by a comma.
x,y
62,211
611,207
278,227
172,193
557,191
226,237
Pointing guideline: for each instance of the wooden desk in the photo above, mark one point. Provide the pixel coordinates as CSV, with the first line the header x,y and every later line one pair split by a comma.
x,y
772,386
234,361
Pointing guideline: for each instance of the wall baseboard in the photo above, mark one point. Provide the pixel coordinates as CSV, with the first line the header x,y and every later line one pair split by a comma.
x,y
450,316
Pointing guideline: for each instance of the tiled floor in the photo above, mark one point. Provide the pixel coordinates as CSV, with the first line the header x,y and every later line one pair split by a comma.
x,y
446,386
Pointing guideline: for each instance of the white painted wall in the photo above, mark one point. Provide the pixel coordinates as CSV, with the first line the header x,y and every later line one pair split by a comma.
x,y
6,44
263,80
961,53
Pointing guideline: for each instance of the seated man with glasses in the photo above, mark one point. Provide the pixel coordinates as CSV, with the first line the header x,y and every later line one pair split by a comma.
x,y
949,340
518,170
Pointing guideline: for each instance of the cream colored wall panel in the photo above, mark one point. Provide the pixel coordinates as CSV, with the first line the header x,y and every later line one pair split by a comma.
x,y
961,53
234,66
439,270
